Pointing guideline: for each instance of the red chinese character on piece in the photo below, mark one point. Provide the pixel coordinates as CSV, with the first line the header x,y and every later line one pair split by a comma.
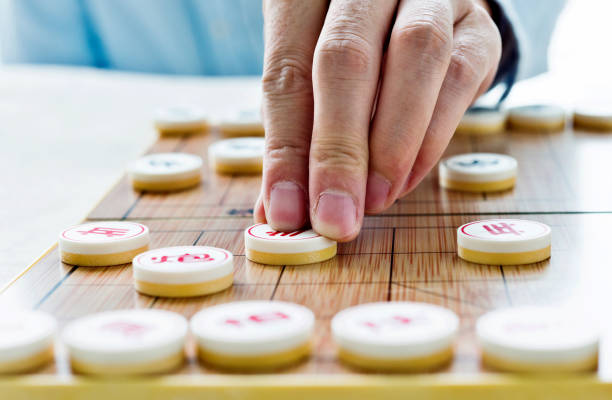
x,y
389,321
290,234
231,321
501,229
109,232
189,258
402,320
371,325
274,316
183,258
125,328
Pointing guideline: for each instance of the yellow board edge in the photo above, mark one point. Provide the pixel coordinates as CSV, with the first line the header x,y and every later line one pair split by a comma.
x,y
335,387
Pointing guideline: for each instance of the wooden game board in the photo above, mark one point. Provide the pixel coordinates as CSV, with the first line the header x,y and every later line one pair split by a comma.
x,y
407,253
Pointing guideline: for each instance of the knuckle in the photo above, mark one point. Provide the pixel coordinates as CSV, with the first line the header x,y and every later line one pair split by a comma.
x,y
489,31
394,154
283,149
482,17
287,75
465,70
342,54
427,36
339,153
428,160
396,165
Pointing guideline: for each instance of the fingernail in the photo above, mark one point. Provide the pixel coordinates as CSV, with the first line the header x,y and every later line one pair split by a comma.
x,y
335,215
377,192
287,209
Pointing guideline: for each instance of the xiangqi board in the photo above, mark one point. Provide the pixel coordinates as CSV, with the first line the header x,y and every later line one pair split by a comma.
x,y
408,253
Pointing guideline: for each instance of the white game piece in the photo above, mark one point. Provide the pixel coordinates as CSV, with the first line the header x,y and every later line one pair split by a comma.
x,y
126,342
478,172
237,156
395,336
181,120
265,245
504,241
183,271
246,122
482,121
253,334
166,172
537,339
26,340
103,243
537,117
594,117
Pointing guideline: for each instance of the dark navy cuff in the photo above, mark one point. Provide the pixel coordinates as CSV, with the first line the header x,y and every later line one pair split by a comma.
x,y
509,62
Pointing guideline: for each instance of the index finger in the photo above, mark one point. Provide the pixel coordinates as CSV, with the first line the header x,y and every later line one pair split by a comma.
x,y
291,31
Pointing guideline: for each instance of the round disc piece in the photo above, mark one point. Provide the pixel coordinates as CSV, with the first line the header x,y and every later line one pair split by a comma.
x,y
183,271
165,171
245,122
181,120
594,117
239,155
126,342
265,245
478,172
26,340
482,121
537,339
253,334
537,117
103,243
395,335
504,241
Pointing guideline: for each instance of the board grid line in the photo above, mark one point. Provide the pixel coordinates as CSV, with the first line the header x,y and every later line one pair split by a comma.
x,y
55,287
517,213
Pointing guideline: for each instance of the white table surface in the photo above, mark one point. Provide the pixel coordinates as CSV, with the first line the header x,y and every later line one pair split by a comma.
x,y
66,135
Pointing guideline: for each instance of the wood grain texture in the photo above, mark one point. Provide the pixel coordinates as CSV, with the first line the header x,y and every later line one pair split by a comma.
x,y
408,253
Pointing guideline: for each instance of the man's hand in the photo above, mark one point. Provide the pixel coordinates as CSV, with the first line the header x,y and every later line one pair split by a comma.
x,y
361,97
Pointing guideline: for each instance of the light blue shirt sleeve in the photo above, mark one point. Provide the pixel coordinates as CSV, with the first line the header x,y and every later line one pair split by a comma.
x,y
208,37
212,37
44,32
